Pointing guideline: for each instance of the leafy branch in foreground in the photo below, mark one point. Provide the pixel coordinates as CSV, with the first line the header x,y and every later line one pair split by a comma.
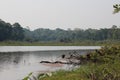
x,y
116,8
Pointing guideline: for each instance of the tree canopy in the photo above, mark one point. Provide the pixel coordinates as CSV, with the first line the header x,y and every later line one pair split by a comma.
x,y
10,32
18,33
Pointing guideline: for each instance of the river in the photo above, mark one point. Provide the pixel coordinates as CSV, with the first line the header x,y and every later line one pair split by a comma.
x,y
18,61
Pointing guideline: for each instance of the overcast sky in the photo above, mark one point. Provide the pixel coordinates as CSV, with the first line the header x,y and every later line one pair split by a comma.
x,y
60,13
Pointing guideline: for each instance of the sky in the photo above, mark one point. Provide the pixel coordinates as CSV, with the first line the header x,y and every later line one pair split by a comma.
x,y
60,13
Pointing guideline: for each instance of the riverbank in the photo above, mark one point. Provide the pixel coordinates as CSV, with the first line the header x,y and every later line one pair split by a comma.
x,y
77,43
103,64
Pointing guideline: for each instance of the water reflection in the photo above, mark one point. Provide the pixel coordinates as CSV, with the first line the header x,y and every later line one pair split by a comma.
x,y
15,65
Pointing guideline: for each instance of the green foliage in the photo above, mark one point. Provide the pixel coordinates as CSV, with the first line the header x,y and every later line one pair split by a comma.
x,y
106,67
11,32
5,30
27,77
68,36
106,54
17,33
39,77
101,71
116,8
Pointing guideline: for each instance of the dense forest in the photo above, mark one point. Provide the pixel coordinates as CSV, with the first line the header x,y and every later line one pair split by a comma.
x,y
16,32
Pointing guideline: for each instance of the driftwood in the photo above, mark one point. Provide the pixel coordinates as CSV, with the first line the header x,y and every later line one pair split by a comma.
x,y
60,62
56,62
72,58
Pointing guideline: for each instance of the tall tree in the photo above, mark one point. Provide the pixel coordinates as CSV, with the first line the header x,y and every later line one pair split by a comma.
x,y
5,30
17,32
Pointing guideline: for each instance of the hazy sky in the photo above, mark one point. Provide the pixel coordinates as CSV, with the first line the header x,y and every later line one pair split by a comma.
x,y
60,13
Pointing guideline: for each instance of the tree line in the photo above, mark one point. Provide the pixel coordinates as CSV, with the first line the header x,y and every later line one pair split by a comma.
x,y
11,32
17,33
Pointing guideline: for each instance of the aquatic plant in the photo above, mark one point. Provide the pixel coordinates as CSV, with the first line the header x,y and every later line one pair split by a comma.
x,y
31,76
27,77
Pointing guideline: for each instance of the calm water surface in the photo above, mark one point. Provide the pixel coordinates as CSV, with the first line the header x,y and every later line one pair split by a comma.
x,y
18,61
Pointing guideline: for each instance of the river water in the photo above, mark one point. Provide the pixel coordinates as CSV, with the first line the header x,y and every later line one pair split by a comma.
x,y
18,61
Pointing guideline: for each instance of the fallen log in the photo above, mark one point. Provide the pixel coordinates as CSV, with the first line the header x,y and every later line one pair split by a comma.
x,y
45,62
60,62
54,62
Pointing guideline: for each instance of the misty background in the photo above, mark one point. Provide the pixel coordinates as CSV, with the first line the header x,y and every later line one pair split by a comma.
x,y
62,14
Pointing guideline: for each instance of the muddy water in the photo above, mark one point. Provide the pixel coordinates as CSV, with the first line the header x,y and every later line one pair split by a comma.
x,y
18,61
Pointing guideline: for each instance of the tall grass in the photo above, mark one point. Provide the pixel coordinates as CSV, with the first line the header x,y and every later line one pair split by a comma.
x,y
103,64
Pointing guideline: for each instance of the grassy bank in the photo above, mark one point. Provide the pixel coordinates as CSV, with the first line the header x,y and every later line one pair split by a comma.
x,y
77,43
103,64
89,72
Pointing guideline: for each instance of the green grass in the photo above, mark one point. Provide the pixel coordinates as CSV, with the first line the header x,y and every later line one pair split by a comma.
x,y
103,64
89,72
96,67
76,43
